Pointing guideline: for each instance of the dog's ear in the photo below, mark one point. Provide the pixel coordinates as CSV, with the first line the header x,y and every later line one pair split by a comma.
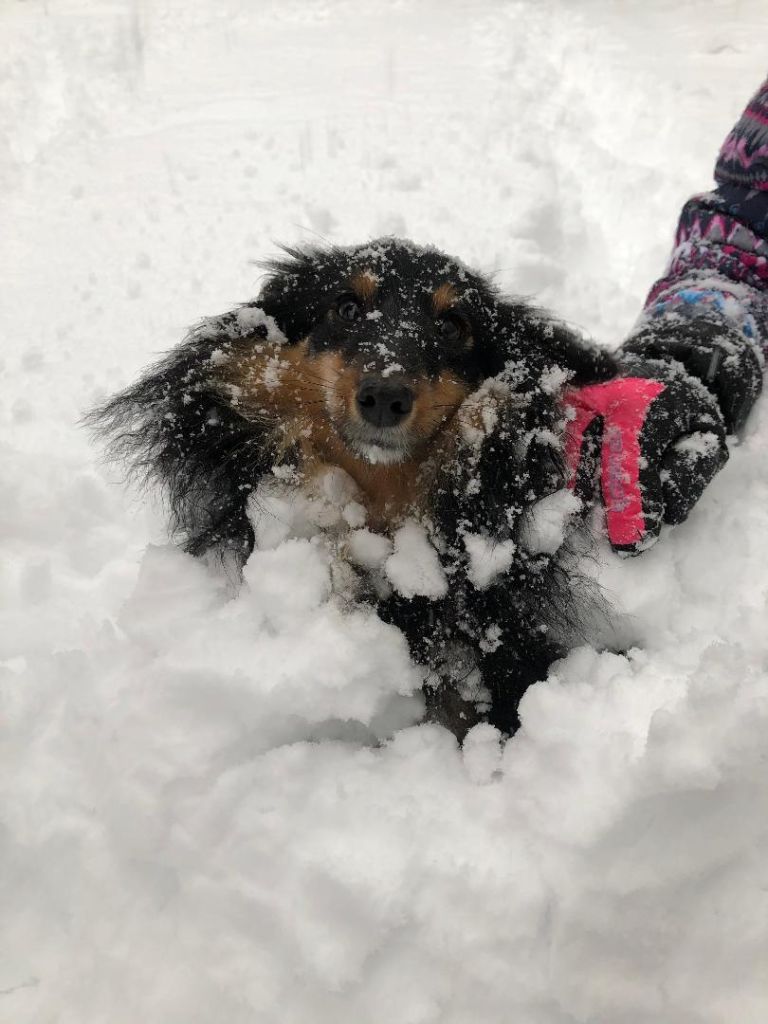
x,y
524,333
177,428
586,362
290,292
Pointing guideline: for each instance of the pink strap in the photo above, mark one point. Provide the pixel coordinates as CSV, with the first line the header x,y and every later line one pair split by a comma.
x,y
623,406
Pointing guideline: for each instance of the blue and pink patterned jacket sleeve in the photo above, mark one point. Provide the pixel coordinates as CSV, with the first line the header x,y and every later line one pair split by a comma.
x,y
692,368
719,265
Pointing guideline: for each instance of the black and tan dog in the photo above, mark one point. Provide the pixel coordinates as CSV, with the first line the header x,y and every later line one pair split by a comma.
x,y
437,397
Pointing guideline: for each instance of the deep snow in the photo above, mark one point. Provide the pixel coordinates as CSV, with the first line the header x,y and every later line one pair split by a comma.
x,y
196,824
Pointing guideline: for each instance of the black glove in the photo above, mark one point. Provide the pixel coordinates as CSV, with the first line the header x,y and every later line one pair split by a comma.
x,y
711,351
658,432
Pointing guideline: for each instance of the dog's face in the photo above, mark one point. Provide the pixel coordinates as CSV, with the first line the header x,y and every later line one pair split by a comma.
x,y
394,346
392,335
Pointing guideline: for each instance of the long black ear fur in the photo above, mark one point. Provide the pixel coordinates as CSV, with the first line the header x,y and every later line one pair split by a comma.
x,y
528,337
587,363
289,293
177,428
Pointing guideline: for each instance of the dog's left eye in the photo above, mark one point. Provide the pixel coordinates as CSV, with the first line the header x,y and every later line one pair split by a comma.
x,y
348,308
452,327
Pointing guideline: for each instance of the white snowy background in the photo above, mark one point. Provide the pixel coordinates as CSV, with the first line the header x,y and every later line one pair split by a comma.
x,y
197,824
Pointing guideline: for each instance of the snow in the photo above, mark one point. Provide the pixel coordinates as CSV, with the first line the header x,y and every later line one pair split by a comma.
x,y
220,806
369,550
698,443
547,522
414,566
487,558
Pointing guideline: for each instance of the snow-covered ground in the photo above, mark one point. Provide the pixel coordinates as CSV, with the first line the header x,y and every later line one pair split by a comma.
x,y
196,824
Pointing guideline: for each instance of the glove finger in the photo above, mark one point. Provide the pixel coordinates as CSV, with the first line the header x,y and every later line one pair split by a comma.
x,y
683,445
721,358
737,385
731,371
687,467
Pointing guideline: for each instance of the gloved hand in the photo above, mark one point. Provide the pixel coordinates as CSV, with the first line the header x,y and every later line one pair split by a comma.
x,y
655,440
713,351
658,432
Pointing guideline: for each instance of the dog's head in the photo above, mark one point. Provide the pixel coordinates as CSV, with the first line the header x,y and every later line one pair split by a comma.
x,y
391,337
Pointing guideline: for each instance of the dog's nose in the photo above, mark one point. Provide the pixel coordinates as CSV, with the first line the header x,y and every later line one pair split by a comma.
x,y
383,403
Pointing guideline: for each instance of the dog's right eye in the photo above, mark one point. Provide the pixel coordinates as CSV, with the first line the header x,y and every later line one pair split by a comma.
x,y
348,308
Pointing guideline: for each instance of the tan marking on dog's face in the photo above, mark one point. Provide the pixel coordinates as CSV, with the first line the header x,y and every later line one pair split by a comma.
x,y
436,403
281,383
269,381
364,284
443,298
341,383
308,399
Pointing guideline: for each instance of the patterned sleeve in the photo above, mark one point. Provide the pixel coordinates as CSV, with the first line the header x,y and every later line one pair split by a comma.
x,y
719,264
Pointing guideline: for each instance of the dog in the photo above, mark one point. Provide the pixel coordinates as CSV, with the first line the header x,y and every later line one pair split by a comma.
x,y
434,396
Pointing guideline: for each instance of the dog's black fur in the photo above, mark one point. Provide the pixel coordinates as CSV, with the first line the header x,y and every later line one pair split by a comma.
x,y
209,422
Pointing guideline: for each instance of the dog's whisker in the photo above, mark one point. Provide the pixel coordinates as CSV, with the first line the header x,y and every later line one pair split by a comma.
x,y
317,382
